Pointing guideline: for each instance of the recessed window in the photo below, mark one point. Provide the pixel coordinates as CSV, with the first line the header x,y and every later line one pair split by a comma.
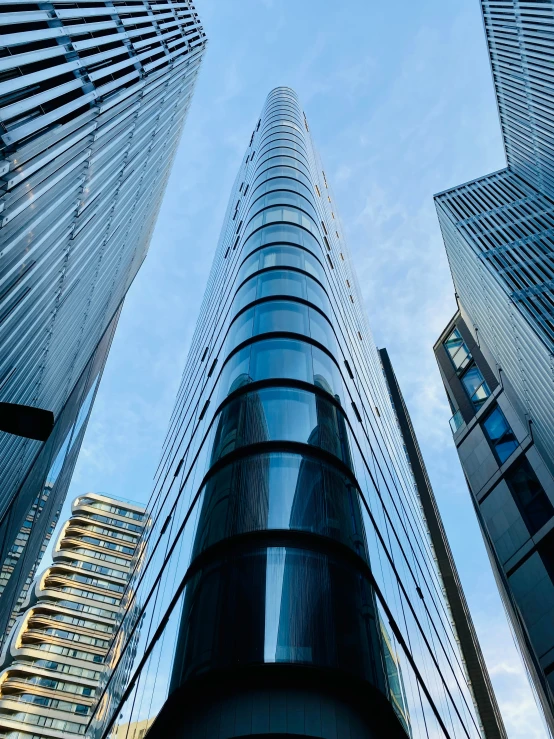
x,y
457,351
324,228
330,262
475,386
500,435
333,215
342,256
317,190
326,243
246,189
351,299
348,283
532,501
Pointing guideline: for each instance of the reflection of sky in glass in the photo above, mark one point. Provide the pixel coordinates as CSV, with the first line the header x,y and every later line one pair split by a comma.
x,y
274,574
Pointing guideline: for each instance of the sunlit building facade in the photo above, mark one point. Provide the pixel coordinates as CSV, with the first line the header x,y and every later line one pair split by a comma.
x,y
54,656
495,355
93,97
290,583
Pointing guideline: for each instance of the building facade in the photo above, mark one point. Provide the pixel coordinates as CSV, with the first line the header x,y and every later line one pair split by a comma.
x,y
496,355
54,656
93,97
290,585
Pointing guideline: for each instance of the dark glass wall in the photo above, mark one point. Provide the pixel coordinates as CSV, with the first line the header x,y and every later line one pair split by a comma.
x,y
287,537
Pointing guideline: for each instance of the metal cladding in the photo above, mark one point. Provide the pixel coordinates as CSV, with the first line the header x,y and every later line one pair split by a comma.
x,y
496,354
289,571
93,97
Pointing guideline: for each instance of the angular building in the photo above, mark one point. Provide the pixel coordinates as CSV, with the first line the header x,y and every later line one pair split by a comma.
x,y
54,657
290,585
496,354
93,97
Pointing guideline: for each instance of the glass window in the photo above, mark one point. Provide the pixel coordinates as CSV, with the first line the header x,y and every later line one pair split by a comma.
x,y
281,255
240,330
282,282
475,386
457,350
500,435
533,503
327,375
320,330
235,373
276,604
282,232
281,315
281,414
281,358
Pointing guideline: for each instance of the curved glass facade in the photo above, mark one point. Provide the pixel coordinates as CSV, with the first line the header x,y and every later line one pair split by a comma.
x,y
287,545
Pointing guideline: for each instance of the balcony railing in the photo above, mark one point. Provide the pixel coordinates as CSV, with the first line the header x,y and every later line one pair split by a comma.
x,y
456,422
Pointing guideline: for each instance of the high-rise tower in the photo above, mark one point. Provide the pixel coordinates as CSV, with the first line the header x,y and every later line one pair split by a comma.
x,y
93,97
53,660
289,572
496,354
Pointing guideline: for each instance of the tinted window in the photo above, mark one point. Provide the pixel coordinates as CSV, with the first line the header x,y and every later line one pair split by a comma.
x,y
533,503
500,434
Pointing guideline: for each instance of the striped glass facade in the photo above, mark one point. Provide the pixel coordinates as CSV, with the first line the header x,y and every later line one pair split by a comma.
x,y
289,584
93,97
496,355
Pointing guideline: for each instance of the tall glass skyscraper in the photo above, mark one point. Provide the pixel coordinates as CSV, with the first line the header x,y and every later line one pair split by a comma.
x,y
496,354
93,97
290,584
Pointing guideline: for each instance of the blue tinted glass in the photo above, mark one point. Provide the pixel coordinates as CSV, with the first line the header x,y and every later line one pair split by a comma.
x,y
240,330
282,282
235,373
326,374
500,434
281,256
320,330
281,358
317,296
281,315
496,425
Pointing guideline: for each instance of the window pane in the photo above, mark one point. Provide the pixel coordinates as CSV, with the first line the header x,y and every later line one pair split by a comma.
x,y
240,330
533,503
500,434
475,386
282,282
326,374
320,330
281,315
281,358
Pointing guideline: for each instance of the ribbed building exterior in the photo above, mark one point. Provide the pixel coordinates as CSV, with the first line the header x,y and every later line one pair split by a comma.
x,y
497,353
55,653
290,586
93,97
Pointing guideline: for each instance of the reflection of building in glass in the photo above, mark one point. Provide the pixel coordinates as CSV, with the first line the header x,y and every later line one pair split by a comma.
x,y
136,730
396,684
495,355
286,524
55,653
93,96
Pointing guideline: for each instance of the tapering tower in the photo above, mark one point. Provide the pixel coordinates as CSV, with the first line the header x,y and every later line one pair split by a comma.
x,y
289,572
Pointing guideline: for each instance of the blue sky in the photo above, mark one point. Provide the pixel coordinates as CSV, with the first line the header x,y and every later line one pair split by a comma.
x,y
400,103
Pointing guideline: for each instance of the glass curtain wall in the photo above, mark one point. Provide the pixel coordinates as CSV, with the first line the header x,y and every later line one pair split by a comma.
x,y
288,556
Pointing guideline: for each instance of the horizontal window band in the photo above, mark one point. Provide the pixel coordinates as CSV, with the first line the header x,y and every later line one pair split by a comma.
x,y
280,268
302,338
284,223
281,298
282,205
278,383
291,447
273,538
279,243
